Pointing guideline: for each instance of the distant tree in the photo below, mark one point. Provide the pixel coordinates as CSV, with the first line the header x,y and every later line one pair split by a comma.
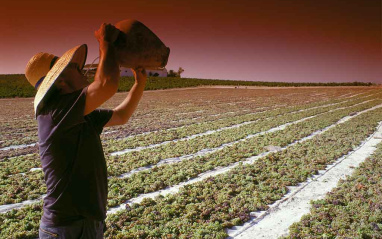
x,y
171,73
180,71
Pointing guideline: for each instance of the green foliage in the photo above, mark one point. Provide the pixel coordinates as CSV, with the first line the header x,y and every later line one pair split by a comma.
x,y
157,83
17,85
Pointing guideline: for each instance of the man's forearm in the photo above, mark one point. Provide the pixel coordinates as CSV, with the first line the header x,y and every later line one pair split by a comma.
x,y
108,67
128,106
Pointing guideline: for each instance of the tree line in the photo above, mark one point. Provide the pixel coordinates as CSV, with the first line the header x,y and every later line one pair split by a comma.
x,y
16,85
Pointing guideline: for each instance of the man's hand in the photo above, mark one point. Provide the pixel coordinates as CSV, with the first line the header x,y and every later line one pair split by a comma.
x,y
140,75
107,33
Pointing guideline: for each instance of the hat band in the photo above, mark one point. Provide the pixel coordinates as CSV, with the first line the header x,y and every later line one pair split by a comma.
x,y
53,61
39,82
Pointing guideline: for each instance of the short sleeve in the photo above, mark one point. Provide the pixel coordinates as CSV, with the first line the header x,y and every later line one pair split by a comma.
x,y
99,118
69,109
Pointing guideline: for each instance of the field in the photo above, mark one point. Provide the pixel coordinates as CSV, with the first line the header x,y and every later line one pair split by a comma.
x,y
216,162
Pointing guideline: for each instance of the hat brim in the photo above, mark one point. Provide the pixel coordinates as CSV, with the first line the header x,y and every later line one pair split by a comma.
x,y
76,54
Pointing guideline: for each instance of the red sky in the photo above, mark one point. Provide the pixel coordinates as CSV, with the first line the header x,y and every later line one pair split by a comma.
x,y
264,40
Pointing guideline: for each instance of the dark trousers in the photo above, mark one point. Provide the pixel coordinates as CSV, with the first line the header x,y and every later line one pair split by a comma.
x,y
82,229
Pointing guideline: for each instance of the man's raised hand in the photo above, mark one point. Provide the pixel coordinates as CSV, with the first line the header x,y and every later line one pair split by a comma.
x,y
107,33
140,74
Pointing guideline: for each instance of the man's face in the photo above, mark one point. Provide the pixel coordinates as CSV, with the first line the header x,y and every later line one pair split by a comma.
x,y
71,79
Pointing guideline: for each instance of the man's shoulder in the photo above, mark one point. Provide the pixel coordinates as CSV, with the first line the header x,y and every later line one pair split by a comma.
x,y
65,110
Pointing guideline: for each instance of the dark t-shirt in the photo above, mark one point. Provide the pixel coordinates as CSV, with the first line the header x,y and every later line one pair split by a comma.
x,y
72,159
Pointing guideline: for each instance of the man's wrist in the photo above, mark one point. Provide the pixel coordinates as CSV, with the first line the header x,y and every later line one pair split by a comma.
x,y
105,46
141,82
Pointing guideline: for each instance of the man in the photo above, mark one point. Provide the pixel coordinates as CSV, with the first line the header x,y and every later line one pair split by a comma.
x,y
69,128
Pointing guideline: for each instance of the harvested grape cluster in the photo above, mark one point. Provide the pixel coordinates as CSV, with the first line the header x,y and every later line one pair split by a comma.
x,y
352,210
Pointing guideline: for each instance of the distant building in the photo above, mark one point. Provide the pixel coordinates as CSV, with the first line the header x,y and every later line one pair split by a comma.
x,y
127,71
150,72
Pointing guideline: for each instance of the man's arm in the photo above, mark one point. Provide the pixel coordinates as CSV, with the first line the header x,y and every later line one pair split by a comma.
x,y
123,112
106,80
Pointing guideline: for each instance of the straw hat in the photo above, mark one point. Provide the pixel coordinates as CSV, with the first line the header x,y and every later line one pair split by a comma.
x,y
43,69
